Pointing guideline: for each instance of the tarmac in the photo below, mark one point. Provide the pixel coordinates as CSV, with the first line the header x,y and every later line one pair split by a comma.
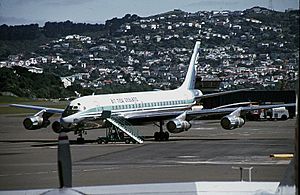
x,y
204,153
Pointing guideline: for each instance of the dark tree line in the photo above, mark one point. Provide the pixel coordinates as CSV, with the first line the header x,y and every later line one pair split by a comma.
x,y
22,32
59,29
50,30
114,24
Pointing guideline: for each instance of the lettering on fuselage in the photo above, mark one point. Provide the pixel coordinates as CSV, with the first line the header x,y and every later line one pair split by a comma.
x,y
124,100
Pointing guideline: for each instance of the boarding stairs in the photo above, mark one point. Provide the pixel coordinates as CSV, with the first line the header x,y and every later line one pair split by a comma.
x,y
126,127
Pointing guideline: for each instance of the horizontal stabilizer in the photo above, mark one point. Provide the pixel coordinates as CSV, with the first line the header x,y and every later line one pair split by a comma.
x,y
223,93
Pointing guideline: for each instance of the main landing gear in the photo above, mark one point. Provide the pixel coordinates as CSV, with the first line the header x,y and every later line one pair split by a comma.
x,y
161,135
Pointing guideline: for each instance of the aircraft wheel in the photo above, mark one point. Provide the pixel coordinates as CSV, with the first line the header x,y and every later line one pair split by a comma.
x,y
156,136
127,141
106,141
133,141
161,136
166,136
284,117
99,141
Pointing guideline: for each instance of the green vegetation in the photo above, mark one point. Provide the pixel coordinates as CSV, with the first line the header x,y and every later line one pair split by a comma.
x,y
26,39
13,100
23,83
25,47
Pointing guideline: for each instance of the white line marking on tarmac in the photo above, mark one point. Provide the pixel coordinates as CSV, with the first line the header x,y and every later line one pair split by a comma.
x,y
204,128
32,173
281,162
187,156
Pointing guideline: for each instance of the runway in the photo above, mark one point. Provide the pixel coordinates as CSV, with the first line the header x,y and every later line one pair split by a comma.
x,y
204,153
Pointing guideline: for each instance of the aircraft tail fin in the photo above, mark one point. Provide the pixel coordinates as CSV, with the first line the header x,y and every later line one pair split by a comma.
x,y
190,78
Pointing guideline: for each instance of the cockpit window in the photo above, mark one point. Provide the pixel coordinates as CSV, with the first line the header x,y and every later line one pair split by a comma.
x,y
70,110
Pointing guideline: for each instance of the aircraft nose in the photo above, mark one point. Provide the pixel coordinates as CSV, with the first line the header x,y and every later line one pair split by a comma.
x,y
66,122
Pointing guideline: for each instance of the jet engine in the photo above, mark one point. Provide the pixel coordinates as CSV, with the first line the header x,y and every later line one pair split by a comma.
x,y
35,122
177,126
231,122
56,127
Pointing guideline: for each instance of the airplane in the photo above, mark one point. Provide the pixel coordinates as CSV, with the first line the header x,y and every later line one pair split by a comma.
x,y
175,107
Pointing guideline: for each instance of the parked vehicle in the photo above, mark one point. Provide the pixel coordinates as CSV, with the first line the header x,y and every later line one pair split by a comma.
x,y
280,113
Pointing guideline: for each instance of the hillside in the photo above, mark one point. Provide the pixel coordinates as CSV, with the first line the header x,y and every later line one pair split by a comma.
x,y
23,83
256,47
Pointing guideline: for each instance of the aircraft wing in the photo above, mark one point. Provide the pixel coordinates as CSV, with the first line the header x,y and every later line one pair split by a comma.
x,y
192,114
222,93
207,112
38,108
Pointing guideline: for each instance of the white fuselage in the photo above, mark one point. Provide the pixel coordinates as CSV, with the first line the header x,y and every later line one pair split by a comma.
x,y
123,103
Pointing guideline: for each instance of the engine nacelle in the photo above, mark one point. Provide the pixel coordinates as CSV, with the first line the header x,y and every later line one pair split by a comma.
x,y
56,127
177,126
231,122
35,122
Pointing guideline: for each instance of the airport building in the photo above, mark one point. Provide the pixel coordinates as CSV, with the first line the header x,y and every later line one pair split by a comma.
x,y
211,85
